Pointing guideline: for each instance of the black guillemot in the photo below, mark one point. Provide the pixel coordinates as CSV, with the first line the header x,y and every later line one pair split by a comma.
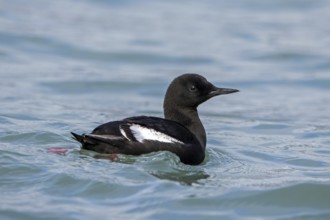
x,y
181,132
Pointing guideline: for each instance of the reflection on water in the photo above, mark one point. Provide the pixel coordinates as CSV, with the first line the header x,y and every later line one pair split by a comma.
x,y
163,165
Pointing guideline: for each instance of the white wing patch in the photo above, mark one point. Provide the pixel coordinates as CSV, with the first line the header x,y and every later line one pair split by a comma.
x,y
123,133
142,133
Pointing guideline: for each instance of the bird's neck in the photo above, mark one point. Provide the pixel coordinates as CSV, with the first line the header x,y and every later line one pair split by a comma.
x,y
190,119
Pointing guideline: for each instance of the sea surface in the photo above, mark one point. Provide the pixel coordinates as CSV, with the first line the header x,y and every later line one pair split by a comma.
x,y
70,65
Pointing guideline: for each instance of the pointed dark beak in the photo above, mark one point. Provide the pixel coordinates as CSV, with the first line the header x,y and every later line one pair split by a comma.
x,y
222,91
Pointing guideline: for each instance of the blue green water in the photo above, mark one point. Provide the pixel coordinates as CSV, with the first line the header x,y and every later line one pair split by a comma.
x,y
70,65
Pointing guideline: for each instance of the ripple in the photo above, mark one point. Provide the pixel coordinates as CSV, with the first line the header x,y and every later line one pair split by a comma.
x,y
47,46
36,138
307,162
267,154
307,195
79,87
163,165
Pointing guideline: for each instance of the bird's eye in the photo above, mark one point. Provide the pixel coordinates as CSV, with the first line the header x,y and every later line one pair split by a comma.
x,y
193,88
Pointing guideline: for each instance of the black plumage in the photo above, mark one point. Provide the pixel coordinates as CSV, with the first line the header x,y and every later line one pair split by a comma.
x,y
181,132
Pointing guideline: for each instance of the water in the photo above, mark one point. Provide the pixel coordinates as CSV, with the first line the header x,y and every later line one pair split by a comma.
x,y
72,65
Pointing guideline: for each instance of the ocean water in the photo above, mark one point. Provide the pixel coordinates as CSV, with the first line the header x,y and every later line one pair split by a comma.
x,y
70,65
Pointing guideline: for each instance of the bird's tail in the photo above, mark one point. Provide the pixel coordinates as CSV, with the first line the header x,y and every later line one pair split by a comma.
x,y
77,137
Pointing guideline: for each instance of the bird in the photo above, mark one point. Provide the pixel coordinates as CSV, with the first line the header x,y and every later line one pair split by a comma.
x,y
180,131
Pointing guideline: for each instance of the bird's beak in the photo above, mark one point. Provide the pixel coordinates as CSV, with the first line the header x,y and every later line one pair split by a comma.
x,y
222,91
